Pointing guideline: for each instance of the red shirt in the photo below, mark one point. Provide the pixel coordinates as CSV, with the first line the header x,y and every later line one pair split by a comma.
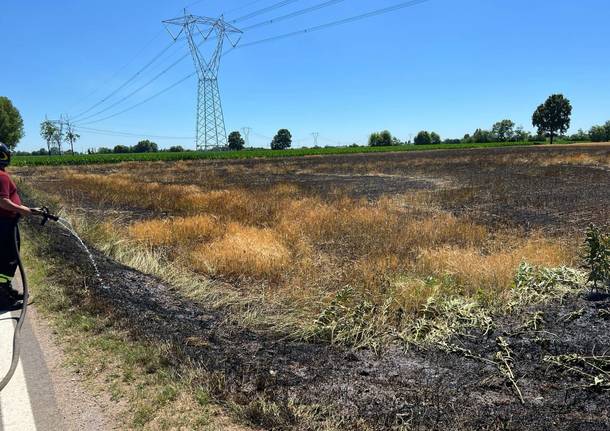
x,y
8,190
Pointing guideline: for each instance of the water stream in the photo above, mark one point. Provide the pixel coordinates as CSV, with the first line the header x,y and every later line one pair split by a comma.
x,y
68,226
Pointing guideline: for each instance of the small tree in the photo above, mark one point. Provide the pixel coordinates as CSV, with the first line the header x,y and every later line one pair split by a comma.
x,y
503,131
49,132
597,256
176,149
11,123
71,136
236,142
481,136
282,140
145,146
600,133
381,139
553,116
435,138
423,138
521,135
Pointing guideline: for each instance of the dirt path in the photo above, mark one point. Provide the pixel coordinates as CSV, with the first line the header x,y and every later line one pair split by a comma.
x,y
80,409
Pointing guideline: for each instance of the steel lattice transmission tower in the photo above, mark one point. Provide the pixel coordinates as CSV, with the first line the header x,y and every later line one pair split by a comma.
x,y
201,33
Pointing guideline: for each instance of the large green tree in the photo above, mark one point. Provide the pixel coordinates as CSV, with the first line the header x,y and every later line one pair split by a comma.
x,y
236,142
553,116
282,140
11,123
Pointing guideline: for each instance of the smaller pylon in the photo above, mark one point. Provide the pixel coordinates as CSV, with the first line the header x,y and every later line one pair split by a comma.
x,y
315,135
246,131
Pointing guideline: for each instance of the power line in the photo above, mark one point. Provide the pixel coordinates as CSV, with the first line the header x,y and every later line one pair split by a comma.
x,y
146,85
243,6
373,13
193,4
133,77
114,75
263,10
338,22
137,90
128,134
293,14
165,90
260,24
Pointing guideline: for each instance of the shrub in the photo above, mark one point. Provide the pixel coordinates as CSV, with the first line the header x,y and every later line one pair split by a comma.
x,y
423,138
145,146
600,133
597,256
381,139
121,149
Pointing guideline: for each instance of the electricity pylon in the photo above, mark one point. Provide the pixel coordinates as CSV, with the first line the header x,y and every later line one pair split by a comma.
x,y
315,136
211,132
246,131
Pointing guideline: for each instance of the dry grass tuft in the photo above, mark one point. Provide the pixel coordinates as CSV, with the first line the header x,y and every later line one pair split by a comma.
x,y
243,251
179,231
474,272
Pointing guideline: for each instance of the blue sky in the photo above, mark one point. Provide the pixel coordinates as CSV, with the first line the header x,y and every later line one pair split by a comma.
x,y
444,65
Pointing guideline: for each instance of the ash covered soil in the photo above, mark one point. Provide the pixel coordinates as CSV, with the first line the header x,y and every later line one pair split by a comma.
x,y
415,389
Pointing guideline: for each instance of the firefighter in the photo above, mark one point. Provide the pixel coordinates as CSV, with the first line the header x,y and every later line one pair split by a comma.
x,y
11,210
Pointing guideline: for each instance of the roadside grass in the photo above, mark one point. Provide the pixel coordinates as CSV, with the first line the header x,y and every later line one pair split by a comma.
x,y
151,389
245,154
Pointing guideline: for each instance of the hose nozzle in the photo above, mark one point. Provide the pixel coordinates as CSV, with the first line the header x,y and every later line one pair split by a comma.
x,y
46,215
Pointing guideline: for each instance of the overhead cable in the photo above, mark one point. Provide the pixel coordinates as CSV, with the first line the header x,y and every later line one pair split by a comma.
x,y
336,23
126,83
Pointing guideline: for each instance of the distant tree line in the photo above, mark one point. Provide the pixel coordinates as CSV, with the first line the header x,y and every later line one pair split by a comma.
x,y
551,119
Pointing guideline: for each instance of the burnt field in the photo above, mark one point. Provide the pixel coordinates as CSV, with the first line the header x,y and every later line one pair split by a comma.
x,y
555,188
429,290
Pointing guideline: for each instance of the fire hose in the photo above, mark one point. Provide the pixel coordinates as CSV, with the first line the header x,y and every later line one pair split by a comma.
x,y
46,216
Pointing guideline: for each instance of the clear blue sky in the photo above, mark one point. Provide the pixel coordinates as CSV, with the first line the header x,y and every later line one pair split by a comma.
x,y
445,65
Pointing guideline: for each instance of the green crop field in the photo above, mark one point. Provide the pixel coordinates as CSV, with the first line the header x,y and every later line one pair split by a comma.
x,y
245,154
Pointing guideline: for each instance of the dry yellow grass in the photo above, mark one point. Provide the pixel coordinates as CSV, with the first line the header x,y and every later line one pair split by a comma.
x,y
177,231
243,251
288,252
475,272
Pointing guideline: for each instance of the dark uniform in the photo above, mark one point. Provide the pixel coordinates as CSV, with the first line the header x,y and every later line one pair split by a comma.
x,y
8,223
